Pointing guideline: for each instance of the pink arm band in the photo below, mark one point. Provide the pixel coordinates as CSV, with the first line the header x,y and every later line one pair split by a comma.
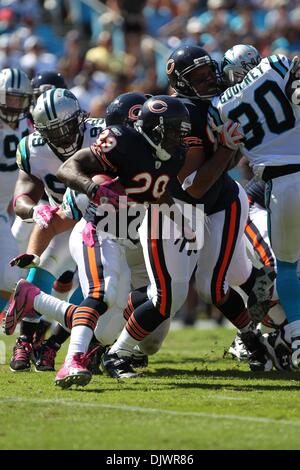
x,y
17,197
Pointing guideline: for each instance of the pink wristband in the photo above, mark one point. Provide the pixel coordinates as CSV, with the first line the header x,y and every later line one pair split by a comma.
x,y
17,197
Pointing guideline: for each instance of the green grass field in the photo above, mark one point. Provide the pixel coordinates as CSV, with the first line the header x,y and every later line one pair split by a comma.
x,y
189,398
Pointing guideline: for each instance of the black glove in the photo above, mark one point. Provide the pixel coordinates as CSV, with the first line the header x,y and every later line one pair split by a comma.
x,y
25,260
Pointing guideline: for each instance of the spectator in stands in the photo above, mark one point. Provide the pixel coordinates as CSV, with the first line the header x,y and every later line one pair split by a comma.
x,y
36,59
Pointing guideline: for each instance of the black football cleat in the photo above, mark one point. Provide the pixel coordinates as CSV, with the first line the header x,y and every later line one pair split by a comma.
x,y
20,361
117,367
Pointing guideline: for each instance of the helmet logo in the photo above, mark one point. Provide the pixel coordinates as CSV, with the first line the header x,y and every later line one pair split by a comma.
x,y
158,106
133,112
170,66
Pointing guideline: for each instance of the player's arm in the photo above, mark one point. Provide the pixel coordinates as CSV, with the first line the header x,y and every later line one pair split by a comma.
x,y
77,171
28,191
40,239
197,183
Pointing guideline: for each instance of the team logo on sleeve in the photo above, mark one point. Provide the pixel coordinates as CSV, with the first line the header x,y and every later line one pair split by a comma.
x,y
158,106
170,66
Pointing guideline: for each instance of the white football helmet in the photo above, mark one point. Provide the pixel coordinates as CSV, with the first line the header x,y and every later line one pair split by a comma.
x,y
60,120
237,62
15,95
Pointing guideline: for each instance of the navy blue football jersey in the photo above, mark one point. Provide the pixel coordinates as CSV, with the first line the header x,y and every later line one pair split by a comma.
x,y
224,190
124,152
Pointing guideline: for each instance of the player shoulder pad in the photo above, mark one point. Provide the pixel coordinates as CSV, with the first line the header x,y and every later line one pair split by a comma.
x,y
279,63
95,122
23,155
74,204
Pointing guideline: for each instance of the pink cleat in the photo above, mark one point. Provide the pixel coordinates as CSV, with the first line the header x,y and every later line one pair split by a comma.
x,y
20,304
74,371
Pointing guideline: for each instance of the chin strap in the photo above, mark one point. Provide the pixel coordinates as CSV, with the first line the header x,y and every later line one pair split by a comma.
x,y
161,153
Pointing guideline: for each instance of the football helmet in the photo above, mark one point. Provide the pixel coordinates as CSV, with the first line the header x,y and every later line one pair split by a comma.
x,y
164,121
124,109
180,69
238,61
15,95
45,81
60,120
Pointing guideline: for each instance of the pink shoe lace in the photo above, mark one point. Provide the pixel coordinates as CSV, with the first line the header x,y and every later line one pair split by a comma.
x,y
22,351
83,359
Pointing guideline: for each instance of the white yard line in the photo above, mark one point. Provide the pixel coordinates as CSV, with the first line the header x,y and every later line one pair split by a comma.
x,y
138,409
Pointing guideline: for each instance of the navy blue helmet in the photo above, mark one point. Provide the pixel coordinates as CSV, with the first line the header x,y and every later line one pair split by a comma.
x,y
124,109
164,121
185,60
45,81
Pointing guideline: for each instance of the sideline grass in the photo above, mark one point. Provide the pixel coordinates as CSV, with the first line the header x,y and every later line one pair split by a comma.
x,y
202,402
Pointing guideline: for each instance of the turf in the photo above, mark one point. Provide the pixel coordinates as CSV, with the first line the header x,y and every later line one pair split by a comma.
x,y
189,398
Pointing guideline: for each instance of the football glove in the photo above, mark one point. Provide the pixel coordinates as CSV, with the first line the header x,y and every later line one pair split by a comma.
x,y
42,214
231,135
25,260
88,234
107,193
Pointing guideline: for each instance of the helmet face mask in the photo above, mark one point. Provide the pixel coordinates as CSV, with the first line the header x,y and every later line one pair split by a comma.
x,y
15,95
181,68
164,122
60,121
238,61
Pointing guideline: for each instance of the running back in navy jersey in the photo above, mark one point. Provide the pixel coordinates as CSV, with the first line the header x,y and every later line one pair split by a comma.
x,y
125,152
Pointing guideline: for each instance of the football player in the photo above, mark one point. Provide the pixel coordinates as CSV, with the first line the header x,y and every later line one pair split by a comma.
x,y
61,129
266,104
237,62
123,109
196,79
15,99
161,155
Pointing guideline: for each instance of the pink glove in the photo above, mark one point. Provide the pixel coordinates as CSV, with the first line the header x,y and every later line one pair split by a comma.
x,y
88,234
43,214
108,193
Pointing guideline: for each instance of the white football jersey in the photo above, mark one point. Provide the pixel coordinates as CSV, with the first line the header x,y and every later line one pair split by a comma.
x,y
74,204
35,157
269,119
9,140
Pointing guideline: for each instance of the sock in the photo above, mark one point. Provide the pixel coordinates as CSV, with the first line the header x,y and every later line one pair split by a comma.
x,y
235,311
60,335
248,285
124,345
41,278
80,340
288,288
41,329
52,308
28,329
142,321
84,321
